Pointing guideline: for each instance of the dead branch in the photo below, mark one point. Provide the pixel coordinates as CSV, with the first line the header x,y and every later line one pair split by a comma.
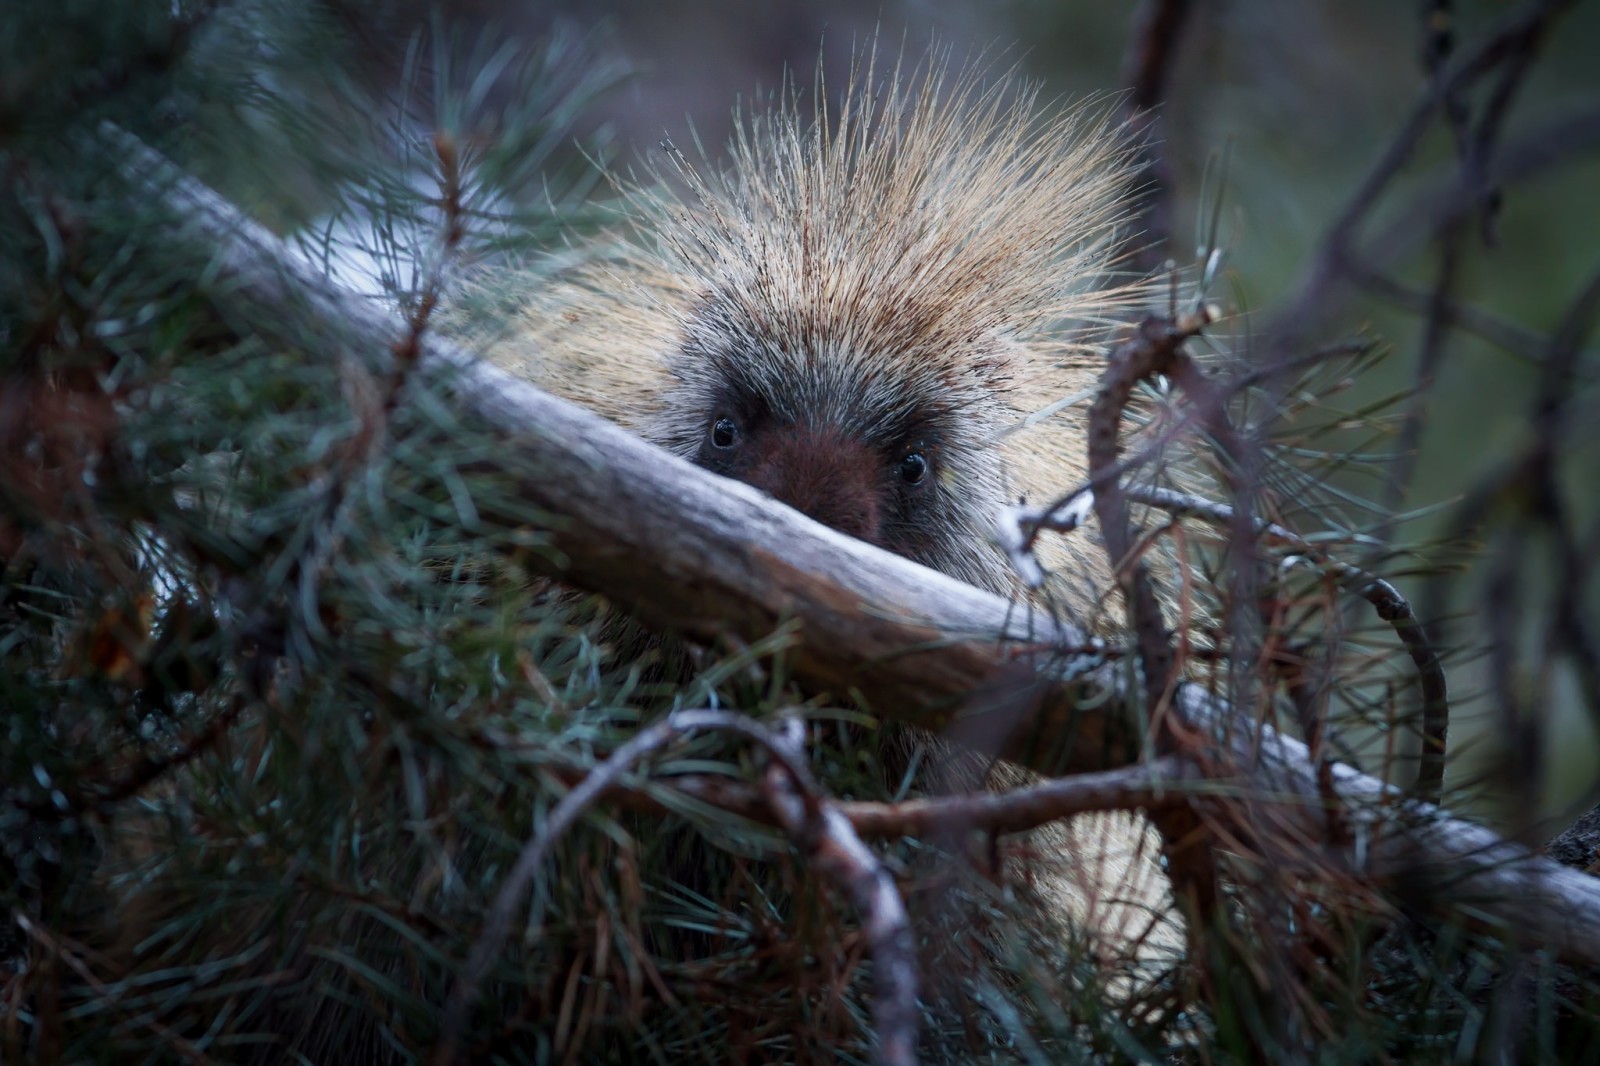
x,y
1162,782
822,831
687,549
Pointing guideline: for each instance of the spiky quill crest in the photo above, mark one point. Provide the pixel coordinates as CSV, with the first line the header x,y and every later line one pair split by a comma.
x,y
928,262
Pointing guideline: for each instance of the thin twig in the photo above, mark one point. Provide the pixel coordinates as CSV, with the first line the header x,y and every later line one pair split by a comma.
x,y
823,832
1438,41
1493,117
1162,782
1437,205
1390,604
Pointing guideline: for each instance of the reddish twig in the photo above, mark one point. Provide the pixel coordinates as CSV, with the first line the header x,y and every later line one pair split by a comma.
x,y
1159,783
1162,782
1387,600
1157,348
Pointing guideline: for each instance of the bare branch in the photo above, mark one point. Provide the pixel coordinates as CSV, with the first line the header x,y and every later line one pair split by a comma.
x,y
1163,782
1017,528
1153,350
823,832
684,546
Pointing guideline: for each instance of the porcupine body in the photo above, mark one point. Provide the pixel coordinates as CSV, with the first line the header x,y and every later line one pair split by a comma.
x,y
858,314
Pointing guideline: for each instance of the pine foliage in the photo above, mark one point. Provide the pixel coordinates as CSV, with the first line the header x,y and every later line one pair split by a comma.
x,y
284,703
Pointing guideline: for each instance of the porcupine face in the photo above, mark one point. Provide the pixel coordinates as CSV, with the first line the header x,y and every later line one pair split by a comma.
x,y
875,446
857,298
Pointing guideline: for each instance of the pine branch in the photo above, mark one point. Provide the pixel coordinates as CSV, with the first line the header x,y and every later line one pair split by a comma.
x,y
709,557
815,824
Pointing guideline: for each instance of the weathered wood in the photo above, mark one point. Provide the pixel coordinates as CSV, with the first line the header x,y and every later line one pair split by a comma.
x,y
713,558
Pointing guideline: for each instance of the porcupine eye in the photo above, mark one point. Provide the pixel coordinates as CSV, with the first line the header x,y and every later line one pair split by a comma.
x,y
913,468
724,433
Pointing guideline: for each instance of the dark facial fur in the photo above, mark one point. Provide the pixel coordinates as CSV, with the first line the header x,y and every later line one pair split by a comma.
x,y
879,450
876,479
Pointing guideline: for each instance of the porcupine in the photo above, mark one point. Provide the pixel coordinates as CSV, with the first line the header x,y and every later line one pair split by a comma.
x,y
856,315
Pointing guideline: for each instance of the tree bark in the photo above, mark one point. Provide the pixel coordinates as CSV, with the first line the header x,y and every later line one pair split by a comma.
x,y
714,559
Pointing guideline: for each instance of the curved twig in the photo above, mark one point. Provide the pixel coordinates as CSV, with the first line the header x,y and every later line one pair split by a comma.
x,y
830,841
1156,348
1390,604
813,823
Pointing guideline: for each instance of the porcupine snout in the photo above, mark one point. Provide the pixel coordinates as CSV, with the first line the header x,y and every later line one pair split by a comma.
x,y
822,472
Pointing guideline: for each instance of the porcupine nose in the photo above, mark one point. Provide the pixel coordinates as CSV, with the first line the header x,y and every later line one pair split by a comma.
x,y
825,473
